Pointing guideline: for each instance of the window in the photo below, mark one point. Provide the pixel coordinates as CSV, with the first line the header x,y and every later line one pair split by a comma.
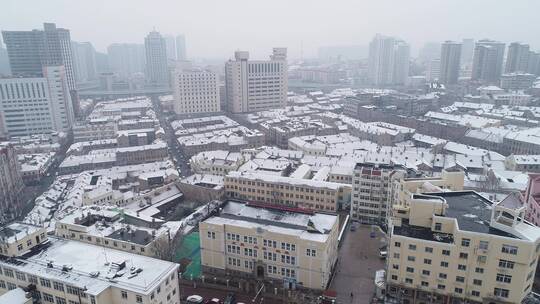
x,y
20,276
504,278
410,269
411,258
500,292
45,282
427,261
426,272
463,255
484,245
509,249
458,290
446,252
138,298
460,279
440,286
412,247
48,297
438,226
395,266
479,270
58,286
425,284
475,293
11,286
9,273
311,252
461,267
60,300
443,275
481,259
124,294
396,255
429,249
506,264
465,242
408,281
394,277
444,264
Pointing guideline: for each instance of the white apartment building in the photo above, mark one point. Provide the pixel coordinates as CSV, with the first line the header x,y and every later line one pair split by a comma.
x,y
371,190
196,91
36,104
256,85
459,247
61,271
280,247
287,191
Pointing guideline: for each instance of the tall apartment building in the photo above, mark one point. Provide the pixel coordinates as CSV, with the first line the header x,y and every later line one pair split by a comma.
x,y
280,247
488,61
170,47
195,91
371,191
433,70
450,58
36,104
518,58
156,72
30,51
84,59
533,66
286,191
388,61
126,59
181,53
256,85
459,247
55,270
4,62
467,51
11,183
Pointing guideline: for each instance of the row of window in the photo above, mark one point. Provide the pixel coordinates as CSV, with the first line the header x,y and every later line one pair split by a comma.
x,y
484,245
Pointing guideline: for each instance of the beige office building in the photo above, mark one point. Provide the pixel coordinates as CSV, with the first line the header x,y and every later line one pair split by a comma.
x,y
459,247
287,191
62,271
195,91
256,85
279,247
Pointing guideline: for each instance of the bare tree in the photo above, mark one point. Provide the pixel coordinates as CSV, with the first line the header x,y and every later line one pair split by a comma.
x,y
165,246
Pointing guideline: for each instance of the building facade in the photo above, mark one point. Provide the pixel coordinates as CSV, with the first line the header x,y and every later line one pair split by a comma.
x,y
156,71
388,61
256,85
488,61
518,58
456,247
126,59
284,248
196,91
450,59
36,105
11,183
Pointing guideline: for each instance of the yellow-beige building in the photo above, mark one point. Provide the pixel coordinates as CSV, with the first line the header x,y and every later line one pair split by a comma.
x,y
289,191
55,270
279,246
459,247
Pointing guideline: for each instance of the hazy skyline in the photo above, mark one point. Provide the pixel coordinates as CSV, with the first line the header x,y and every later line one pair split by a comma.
x,y
214,29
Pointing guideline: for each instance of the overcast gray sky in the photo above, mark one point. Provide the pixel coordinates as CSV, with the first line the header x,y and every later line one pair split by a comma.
x,y
215,28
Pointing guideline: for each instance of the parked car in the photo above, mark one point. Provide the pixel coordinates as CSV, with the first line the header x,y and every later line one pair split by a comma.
x,y
353,227
230,299
214,301
194,299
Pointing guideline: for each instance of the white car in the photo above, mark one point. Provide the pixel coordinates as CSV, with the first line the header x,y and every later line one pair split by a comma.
x,y
194,299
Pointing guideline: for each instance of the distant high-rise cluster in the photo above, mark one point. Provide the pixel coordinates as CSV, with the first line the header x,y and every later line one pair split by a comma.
x,y
30,51
388,61
450,59
488,61
84,59
256,85
126,59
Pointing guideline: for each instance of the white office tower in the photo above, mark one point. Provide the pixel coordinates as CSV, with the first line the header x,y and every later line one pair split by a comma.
x,y
488,61
84,60
401,62
518,58
450,58
34,105
181,48
433,70
195,91
467,51
157,73
170,45
256,85
388,61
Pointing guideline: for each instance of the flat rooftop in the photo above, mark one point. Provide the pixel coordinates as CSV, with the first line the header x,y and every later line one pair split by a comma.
x,y
305,225
91,267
